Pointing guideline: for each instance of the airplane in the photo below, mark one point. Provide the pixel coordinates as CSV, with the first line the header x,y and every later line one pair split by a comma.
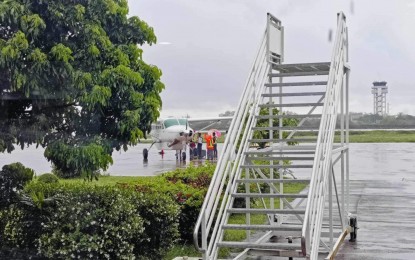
x,y
175,133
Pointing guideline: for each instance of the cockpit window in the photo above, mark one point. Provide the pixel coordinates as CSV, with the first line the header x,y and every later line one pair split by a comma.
x,y
174,121
182,121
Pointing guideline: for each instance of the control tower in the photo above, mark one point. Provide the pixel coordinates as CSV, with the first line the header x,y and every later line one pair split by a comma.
x,y
379,90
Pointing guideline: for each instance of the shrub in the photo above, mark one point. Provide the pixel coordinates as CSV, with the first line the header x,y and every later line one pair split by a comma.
x,y
102,222
160,215
13,177
88,222
12,231
197,177
48,178
20,227
187,187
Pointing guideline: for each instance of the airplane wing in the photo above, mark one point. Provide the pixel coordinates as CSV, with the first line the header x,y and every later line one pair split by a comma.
x,y
206,123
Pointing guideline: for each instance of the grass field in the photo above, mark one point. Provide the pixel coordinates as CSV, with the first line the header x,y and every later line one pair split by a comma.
x,y
373,136
110,180
380,136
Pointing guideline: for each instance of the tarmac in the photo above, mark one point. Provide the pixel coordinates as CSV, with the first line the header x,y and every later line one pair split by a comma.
x,y
386,220
382,195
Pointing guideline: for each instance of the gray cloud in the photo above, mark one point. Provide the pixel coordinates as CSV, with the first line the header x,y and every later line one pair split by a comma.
x,y
214,43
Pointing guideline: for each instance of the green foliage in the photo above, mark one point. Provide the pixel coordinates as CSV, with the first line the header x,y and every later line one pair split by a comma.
x,y
187,187
265,134
13,177
72,161
91,223
48,178
160,216
182,250
72,79
60,221
12,234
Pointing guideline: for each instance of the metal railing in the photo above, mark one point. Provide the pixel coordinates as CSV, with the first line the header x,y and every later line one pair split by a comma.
x,y
323,156
211,217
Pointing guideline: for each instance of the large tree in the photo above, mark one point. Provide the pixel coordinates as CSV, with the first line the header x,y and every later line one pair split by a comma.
x,y
73,80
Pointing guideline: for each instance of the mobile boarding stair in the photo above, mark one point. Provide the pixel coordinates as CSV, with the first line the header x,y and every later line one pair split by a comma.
x,y
290,112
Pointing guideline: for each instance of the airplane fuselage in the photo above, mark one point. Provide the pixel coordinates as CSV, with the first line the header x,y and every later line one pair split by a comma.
x,y
165,131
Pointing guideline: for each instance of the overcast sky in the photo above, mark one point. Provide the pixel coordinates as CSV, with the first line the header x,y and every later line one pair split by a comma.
x,y
213,44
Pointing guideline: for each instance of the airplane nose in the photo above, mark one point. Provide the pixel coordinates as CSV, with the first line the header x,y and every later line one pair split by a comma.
x,y
189,132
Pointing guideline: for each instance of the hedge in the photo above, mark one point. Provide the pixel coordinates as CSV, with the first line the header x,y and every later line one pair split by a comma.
x,y
127,221
85,221
187,187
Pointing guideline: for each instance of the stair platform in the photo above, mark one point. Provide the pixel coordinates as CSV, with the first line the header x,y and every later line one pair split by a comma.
x,y
302,67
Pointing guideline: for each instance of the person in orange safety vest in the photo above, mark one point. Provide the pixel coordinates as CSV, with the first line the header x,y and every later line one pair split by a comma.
x,y
209,146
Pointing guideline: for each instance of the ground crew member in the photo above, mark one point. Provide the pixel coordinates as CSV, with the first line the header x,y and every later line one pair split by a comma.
x,y
209,146
215,146
199,145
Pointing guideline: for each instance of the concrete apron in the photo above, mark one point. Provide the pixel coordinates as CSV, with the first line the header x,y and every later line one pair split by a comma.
x,y
386,219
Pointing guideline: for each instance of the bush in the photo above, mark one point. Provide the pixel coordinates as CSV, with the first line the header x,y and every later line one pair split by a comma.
x,y
12,231
13,177
187,188
160,215
48,178
85,221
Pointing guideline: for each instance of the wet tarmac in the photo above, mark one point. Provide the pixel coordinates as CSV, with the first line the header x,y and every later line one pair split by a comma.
x,y
383,197
129,163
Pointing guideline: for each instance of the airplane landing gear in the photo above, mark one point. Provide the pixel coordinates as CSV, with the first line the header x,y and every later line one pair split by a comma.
x,y
145,154
181,156
354,228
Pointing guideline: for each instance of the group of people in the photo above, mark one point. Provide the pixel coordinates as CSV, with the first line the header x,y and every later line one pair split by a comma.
x,y
196,145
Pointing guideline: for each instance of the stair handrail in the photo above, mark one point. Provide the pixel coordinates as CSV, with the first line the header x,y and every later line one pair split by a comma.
x,y
250,114
319,180
222,173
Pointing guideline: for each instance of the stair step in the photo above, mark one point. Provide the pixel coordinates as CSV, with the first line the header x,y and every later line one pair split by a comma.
x,y
263,253
266,211
264,227
297,94
261,128
269,195
292,105
283,140
274,246
263,151
288,116
297,84
275,166
302,67
274,158
271,180
299,74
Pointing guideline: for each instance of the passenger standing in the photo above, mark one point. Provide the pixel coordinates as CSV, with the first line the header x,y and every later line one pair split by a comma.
x,y
199,145
215,146
192,148
209,146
